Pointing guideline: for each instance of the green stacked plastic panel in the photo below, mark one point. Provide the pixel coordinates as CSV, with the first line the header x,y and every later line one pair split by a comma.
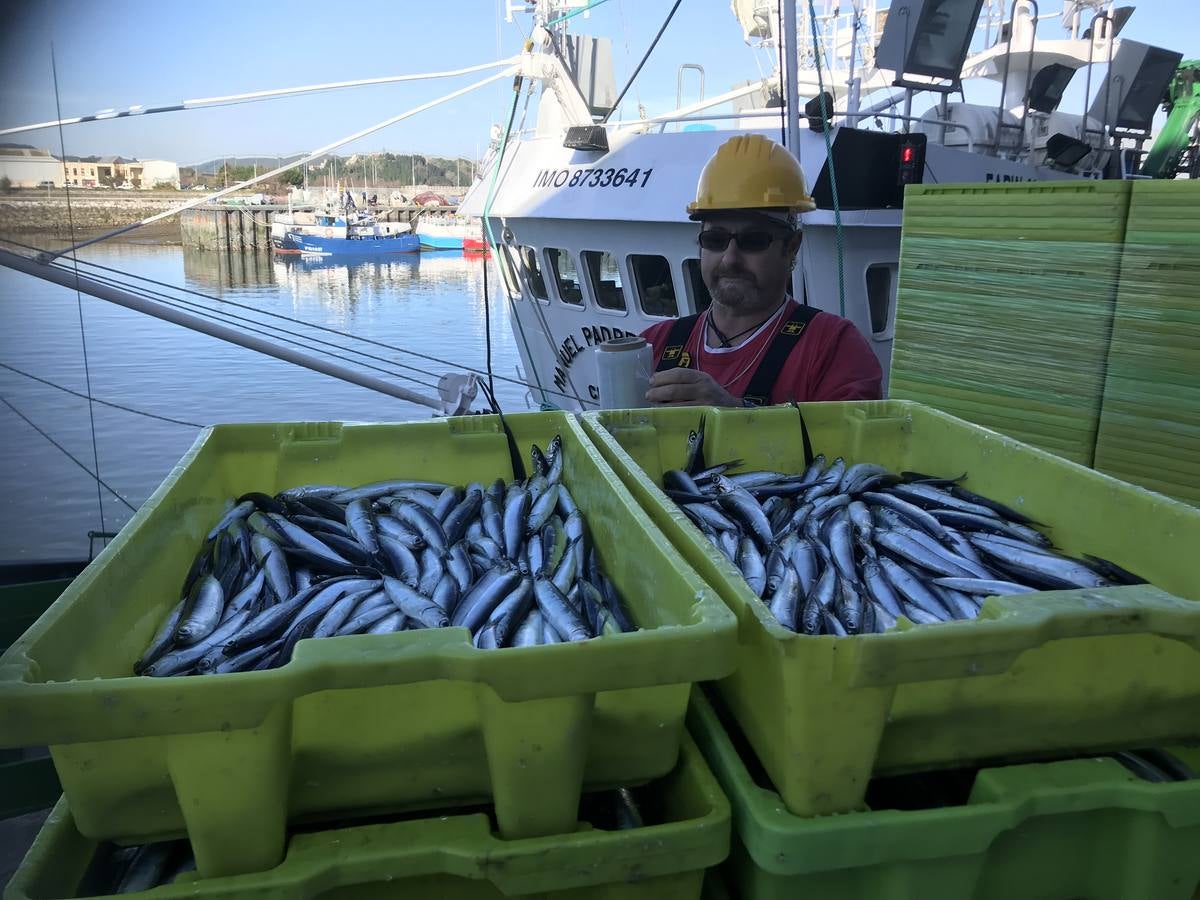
x,y
1150,420
451,857
1043,831
1004,305
416,719
1033,675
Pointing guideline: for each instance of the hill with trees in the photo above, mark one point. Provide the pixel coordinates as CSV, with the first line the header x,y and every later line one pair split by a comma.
x,y
375,169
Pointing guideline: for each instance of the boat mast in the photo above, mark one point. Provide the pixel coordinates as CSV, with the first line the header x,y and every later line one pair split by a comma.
x,y
791,66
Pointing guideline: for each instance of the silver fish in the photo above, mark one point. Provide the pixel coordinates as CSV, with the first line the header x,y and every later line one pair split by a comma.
x,y
750,561
914,514
879,589
478,604
1060,571
233,514
414,604
270,557
914,592
511,611
162,640
184,658
784,603
378,489
459,518
390,623
558,611
361,522
446,501
988,587
745,509
203,613
516,514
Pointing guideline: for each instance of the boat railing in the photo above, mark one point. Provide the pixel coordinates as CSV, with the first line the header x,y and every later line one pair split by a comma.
x,y
901,117
663,122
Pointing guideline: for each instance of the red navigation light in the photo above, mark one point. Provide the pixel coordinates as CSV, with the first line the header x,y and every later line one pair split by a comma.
x,y
912,159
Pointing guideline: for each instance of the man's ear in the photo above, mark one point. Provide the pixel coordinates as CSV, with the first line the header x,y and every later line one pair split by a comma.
x,y
792,247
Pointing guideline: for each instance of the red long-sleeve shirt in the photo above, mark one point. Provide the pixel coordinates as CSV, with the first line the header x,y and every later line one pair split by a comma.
x,y
831,361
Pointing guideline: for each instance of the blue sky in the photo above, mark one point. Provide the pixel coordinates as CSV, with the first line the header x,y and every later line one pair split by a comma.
x,y
124,52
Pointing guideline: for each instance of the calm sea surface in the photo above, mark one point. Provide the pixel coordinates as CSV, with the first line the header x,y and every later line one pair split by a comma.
x,y
432,303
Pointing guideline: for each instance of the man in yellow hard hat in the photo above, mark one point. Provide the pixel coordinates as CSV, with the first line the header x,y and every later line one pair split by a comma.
x,y
756,345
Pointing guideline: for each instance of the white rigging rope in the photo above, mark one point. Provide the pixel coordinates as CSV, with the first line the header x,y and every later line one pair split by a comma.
x,y
139,302
129,409
229,318
251,97
321,151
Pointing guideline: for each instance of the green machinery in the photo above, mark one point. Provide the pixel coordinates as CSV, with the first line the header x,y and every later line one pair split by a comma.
x,y
1175,148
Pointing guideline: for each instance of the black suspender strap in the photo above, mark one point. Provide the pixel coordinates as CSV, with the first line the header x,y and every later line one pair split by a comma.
x,y
674,356
762,382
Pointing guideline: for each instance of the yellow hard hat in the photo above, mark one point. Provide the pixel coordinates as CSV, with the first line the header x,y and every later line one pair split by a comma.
x,y
751,171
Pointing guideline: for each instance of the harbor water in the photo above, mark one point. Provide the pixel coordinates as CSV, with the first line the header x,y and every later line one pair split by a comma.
x,y
431,303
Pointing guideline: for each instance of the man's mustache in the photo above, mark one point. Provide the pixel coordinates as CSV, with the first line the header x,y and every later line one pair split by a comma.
x,y
736,273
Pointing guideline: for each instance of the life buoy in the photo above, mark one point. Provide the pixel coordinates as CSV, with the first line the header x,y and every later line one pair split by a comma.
x,y
328,232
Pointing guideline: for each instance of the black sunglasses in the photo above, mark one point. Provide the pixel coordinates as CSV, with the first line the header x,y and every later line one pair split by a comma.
x,y
754,241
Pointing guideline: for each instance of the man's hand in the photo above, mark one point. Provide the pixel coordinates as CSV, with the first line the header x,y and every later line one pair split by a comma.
x,y
687,387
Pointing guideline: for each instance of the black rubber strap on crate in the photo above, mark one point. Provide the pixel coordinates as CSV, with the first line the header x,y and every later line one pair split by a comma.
x,y
518,464
804,438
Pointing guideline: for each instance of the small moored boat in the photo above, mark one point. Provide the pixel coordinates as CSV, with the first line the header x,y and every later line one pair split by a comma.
x,y
338,233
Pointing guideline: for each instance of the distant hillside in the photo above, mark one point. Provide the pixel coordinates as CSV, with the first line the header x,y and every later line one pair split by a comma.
x,y
213,166
379,168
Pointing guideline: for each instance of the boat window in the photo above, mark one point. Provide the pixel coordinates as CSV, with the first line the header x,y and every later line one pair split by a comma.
x,y
508,271
566,276
879,299
604,276
655,289
701,298
532,272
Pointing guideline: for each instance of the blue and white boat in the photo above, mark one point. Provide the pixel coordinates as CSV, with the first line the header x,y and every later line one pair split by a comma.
x,y
440,232
340,234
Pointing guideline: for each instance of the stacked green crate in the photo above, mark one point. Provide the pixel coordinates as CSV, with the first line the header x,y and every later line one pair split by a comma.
x,y
1150,419
362,724
1081,827
451,855
826,714
1005,305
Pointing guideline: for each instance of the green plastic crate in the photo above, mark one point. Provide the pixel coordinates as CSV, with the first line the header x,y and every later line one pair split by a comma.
x,y
1080,828
1004,305
1033,675
453,857
27,781
1150,419
353,724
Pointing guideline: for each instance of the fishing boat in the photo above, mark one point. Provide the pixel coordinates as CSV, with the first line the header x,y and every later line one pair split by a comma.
x,y
588,212
440,232
340,233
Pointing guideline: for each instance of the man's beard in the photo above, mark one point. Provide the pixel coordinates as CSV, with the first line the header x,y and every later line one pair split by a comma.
x,y
736,289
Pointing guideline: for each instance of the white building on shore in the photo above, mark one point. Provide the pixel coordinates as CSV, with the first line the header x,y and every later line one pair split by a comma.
x,y
158,173
29,167
32,167
112,171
